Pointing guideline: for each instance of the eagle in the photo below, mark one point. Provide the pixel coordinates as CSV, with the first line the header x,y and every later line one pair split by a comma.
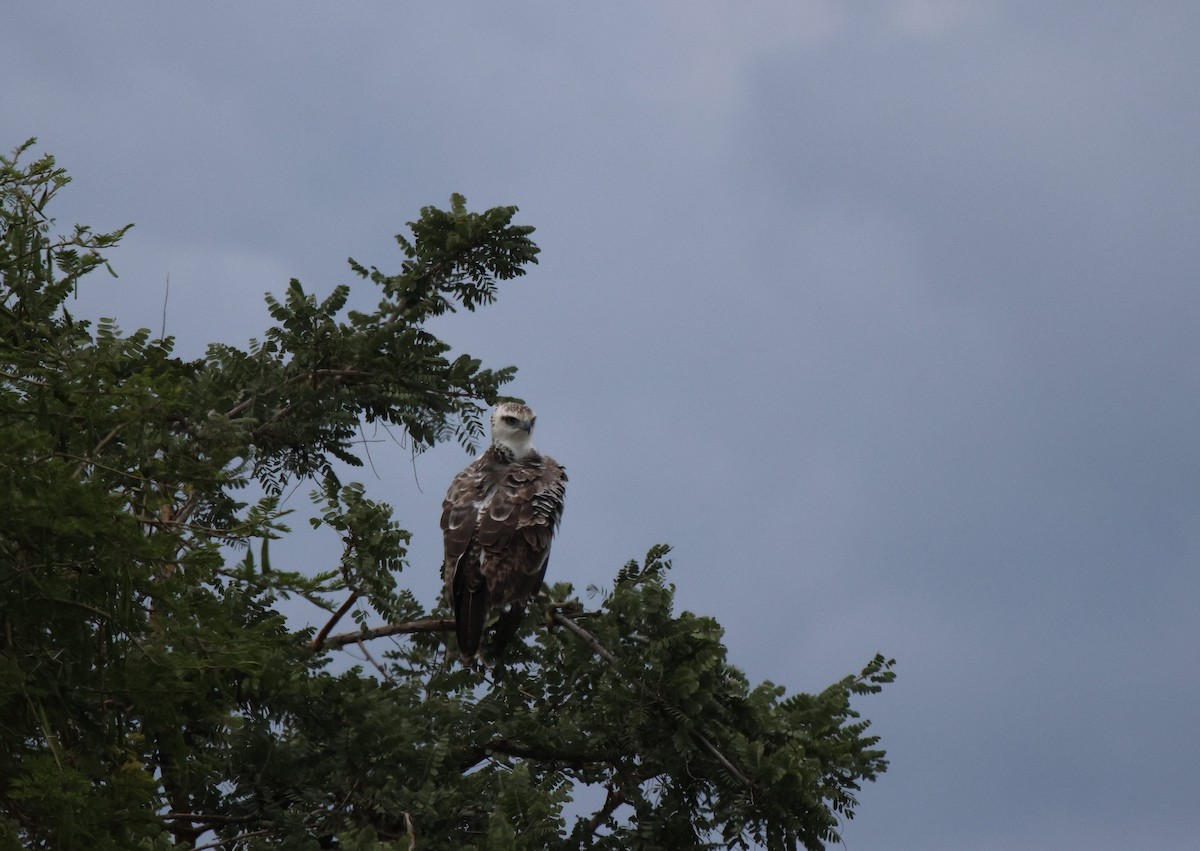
x,y
498,520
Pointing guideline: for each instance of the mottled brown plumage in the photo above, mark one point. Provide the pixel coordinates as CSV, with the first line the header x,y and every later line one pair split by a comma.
x,y
498,520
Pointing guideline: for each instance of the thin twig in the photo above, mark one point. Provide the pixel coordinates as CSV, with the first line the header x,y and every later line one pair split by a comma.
x,y
103,615
23,379
275,417
162,334
207,819
367,653
93,463
104,441
231,840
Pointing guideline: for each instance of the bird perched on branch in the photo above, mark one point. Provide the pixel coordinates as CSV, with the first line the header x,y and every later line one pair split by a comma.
x,y
498,520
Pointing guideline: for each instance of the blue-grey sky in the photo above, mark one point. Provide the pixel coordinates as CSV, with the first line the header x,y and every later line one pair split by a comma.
x,y
884,314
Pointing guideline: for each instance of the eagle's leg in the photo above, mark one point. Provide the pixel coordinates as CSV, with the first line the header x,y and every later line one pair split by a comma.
x,y
507,625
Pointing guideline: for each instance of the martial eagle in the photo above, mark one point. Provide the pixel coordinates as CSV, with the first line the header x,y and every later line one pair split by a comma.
x,y
498,519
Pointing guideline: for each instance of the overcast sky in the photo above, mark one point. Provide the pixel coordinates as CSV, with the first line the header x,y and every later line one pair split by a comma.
x,y
885,314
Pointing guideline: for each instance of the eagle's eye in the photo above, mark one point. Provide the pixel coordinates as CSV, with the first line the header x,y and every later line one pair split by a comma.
x,y
511,420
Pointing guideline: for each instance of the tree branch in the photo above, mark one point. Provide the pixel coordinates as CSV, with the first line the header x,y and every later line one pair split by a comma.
x,y
208,820
333,642
612,800
24,379
220,842
319,641
590,640
573,759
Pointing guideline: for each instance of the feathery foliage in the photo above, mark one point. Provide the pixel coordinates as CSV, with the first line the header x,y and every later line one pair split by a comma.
x,y
152,696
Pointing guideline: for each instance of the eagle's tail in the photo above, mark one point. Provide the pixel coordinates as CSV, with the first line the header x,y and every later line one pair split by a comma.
x,y
470,613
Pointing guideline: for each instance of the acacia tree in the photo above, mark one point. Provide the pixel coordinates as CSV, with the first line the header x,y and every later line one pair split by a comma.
x,y
152,695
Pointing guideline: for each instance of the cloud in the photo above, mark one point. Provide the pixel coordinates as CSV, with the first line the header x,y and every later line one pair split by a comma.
x,y
883,314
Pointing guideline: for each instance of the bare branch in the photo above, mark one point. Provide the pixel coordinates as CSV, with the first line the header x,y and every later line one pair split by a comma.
x,y
207,819
587,638
538,753
185,510
612,800
367,653
319,641
231,840
333,642
241,406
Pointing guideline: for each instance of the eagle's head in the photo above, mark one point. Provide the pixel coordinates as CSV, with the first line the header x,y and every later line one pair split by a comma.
x,y
512,428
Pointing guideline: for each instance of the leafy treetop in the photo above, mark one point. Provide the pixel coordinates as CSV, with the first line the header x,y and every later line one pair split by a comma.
x,y
152,695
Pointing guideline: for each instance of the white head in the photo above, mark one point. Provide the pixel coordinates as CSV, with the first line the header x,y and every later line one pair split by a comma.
x,y
512,428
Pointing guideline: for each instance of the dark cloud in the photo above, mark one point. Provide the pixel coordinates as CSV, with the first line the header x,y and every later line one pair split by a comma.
x,y
883,314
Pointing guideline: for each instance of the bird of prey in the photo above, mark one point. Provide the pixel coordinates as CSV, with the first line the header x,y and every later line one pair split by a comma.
x,y
498,519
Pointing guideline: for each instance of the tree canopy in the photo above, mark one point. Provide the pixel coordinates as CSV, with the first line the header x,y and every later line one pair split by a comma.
x,y
153,695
